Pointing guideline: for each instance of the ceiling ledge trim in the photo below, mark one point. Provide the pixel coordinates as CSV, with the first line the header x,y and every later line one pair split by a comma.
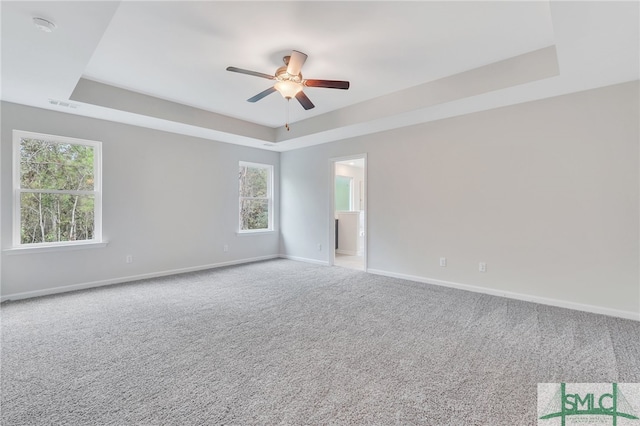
x,y
526,68
100,94
399,109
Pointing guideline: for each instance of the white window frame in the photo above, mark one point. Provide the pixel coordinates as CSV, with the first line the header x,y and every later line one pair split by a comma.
x,y
269,199
18,135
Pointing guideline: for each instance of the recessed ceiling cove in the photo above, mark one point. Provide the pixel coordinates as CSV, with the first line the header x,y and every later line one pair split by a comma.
x,y
178,51
163,64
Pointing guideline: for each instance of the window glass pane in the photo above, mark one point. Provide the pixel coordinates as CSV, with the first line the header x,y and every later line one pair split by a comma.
x,y
254,214
46,218
50,165
343,193
254,181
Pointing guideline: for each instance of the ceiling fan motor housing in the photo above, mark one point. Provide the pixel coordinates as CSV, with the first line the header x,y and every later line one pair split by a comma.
x,y
283,75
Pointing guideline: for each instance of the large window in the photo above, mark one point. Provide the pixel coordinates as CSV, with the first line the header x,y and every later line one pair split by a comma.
x,y
256,197
57,190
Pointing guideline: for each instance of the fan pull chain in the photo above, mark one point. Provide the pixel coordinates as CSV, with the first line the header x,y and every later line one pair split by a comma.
x,y
286,124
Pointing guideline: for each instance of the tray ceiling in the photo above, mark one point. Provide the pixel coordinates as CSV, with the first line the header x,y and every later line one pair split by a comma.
x,y
162,64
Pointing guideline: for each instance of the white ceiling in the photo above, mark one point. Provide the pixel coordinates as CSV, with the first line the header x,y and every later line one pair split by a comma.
x,y
162,64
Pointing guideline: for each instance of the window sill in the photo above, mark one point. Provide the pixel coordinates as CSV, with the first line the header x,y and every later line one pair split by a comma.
x,y
259,232
55,248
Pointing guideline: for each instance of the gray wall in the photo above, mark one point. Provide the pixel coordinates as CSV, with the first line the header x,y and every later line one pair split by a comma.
x,y
169,200
546,193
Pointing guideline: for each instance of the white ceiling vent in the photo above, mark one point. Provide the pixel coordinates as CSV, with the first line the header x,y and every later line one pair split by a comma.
x,y
63,104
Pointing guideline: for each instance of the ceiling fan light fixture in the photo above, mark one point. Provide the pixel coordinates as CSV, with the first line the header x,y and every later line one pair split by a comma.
x,y
289,81
288,89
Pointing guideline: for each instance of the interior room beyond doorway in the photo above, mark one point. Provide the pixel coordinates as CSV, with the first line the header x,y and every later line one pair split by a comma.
x,y
349,206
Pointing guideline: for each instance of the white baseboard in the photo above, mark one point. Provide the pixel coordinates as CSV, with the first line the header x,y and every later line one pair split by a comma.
x,y
82,286
348,252
512,295
304,259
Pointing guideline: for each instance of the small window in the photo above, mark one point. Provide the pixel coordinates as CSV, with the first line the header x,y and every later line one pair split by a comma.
x,y
256,197
344,193
57,190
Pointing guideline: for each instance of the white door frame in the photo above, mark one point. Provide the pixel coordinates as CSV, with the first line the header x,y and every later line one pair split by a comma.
x,y
332,212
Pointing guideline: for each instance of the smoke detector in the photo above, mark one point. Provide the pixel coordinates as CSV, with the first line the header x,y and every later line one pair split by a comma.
x,y
44,25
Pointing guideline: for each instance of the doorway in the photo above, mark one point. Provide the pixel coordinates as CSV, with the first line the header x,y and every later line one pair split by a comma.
x,y
348,213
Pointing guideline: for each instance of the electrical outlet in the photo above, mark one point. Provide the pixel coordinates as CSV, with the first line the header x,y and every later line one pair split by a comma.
x,y
443,261
319,247
225,248
129,258
482,267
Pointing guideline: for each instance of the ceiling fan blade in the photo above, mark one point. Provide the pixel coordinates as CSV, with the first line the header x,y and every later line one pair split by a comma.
x,y
262,94
254,73
304,100
329,84
295,62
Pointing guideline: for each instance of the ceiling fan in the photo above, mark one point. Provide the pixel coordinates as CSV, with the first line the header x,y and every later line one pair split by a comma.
x,y
289,80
